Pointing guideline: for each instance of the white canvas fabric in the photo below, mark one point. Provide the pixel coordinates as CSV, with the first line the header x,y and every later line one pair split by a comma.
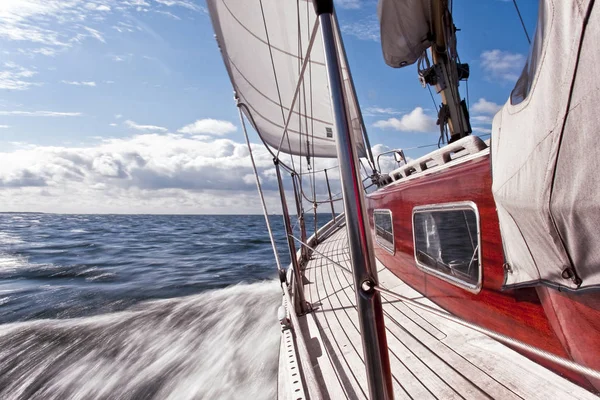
x,y
241,33
545,157
405,27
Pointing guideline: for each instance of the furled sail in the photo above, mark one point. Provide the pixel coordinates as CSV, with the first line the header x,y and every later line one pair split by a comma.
x,y
405,30
264,44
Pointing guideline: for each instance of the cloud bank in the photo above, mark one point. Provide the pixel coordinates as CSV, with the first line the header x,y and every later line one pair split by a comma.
x,y
144,173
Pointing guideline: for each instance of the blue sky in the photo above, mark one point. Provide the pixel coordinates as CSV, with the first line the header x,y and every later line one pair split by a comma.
x,y
94,96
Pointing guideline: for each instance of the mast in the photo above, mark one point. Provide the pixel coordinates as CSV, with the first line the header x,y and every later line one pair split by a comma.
x,y
446,72
364,269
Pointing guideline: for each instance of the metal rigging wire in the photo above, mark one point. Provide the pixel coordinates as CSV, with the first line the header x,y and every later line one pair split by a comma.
x,y
260,191
500,337
522,23
255,126
275,76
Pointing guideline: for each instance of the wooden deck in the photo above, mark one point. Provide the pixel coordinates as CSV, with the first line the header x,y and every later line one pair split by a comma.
x,y
431,358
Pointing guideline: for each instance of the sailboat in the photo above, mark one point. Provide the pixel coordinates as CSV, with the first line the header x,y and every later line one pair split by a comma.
x,y
470,272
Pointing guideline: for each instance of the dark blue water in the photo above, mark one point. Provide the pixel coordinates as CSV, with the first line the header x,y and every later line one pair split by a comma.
x,y
138,306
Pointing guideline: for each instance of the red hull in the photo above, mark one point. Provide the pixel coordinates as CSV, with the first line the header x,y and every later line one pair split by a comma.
x,y
566,325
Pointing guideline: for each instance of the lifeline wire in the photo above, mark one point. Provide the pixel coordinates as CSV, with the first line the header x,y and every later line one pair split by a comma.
x,y
260,192
573,366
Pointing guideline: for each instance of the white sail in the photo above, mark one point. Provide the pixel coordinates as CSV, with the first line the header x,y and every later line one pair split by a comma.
x,y
263,43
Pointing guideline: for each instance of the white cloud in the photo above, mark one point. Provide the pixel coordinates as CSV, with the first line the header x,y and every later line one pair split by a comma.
x,y
365,29
138,3
95,34
15,77
121,57
148,128
97,7
502,65
19,20
181,3
40,113
377,111
118,116
168,14
112,124
209,126
156,173
166,173
481,119
348,4
45,51
415,121
485,107
249,179
4,126
201,137
482,130
56,23
80,83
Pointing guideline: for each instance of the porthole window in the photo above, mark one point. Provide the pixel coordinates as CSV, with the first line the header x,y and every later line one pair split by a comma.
x,y
447,242
384,229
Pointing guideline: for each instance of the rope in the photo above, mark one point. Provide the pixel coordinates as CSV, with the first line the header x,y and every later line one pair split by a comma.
x,y
260,192
571,365
522,23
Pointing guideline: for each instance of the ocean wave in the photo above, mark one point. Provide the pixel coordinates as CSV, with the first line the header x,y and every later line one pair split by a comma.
x,y
7,238
221,344
10,262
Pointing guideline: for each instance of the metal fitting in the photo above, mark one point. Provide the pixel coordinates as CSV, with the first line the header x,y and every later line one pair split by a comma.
x,y
367,286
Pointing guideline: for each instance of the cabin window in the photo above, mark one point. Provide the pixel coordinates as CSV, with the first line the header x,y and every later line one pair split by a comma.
x,y
384,229
447,242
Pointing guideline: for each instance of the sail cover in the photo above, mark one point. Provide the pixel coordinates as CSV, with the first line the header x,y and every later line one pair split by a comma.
x,y
405,30
545,157
263,44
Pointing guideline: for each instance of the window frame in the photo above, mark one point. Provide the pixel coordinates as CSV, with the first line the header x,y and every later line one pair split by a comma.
x,y
455,206
385,246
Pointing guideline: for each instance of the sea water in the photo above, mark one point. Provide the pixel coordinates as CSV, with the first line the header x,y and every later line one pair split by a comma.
x,y
138,306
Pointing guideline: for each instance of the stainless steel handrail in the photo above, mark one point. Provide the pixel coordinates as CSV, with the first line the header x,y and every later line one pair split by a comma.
x,y
370,313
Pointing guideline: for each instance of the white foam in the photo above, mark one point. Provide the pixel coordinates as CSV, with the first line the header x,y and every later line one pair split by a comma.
x,y
218,345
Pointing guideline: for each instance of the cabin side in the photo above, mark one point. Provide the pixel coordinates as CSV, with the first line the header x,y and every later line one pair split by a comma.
x,y
435,226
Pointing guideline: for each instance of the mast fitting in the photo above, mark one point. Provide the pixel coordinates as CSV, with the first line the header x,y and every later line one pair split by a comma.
x,y
323,6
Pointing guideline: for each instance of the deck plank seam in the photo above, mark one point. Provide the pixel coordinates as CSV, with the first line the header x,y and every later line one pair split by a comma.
x,y
327,321
408,368
324,338
354,306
